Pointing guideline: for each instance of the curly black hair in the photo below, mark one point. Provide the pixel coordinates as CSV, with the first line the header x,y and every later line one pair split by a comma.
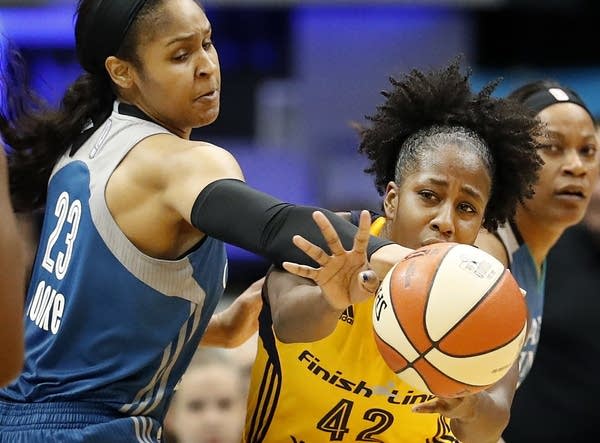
x,y
423,104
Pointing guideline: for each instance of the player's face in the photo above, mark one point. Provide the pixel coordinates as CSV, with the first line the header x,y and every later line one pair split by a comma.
x,y
571,166
179,81
444,200
209,407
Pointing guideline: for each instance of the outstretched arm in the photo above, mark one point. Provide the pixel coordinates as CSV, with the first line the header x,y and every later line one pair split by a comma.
x,y
238,322
304,312
12,287
203,185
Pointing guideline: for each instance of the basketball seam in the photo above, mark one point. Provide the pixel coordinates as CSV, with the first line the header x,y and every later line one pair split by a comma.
x,y
475,306
483,352
396,316
408,363
408,338
424,320
447,376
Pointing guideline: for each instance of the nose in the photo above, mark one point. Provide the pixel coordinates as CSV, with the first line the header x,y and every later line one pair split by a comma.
x,y
206,65
443,221
213,417
573,164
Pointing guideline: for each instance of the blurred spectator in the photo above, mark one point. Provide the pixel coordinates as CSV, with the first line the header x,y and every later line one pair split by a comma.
x,y
209,405
243,356
557,402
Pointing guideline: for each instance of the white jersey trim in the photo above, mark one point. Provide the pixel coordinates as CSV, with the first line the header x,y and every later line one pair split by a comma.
x,y
509,240
102,153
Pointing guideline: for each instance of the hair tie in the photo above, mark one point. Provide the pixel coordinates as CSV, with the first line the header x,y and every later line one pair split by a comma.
x,y
108,23
547,97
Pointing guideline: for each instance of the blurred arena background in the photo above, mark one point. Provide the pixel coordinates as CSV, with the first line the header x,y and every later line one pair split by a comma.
x,y
296,74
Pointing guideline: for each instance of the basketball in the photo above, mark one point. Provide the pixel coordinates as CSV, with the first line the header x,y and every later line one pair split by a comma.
x,y
449,319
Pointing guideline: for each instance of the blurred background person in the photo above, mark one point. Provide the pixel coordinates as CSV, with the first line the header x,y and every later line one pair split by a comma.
x,y
557,402
566,181
209,405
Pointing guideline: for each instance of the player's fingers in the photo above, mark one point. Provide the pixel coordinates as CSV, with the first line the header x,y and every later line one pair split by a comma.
x,y
310,249
448,407
361,239
300,270
329,233
435,406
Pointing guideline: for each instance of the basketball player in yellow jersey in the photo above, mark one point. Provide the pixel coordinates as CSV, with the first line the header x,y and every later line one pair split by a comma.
x,y
448,162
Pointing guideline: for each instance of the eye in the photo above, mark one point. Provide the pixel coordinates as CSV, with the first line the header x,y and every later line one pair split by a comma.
x,y
225,404
551,148
196,406
428,195
181,56
467,208
207,44
588,150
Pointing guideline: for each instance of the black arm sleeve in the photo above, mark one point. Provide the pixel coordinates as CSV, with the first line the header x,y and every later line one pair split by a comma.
x,y
235,213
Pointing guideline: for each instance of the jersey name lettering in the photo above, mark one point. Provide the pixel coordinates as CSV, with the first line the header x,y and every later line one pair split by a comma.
x,y
47,306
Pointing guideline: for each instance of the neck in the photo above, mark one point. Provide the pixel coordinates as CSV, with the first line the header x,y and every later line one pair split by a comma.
x,y
385,231
539,237
184,133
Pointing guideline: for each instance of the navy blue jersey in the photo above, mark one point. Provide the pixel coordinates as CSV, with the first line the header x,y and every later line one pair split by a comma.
x,y
523,268
105,323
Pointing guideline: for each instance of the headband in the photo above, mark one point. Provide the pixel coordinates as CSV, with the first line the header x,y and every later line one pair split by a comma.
x,y
547,97
109,22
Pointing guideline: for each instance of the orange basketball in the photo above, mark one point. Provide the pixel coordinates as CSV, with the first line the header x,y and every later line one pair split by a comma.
x,y
449,319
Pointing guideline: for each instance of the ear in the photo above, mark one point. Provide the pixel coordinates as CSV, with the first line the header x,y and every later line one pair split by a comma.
x,y
120,71
390,200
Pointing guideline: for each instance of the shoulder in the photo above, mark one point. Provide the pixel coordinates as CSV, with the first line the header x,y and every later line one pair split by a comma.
x,y
490,243
170,149
161,157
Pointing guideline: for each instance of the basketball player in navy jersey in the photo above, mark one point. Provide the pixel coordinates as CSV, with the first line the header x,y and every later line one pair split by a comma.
x,y
569,150
563,192
131,261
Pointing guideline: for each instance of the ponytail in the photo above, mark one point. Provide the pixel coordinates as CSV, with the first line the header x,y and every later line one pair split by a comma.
x,y
38,136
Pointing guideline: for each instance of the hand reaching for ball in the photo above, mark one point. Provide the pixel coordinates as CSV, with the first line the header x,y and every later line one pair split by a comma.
x,y
479,417
344,276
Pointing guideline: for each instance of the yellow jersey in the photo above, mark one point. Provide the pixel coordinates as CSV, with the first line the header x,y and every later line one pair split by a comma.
x,y
335,389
